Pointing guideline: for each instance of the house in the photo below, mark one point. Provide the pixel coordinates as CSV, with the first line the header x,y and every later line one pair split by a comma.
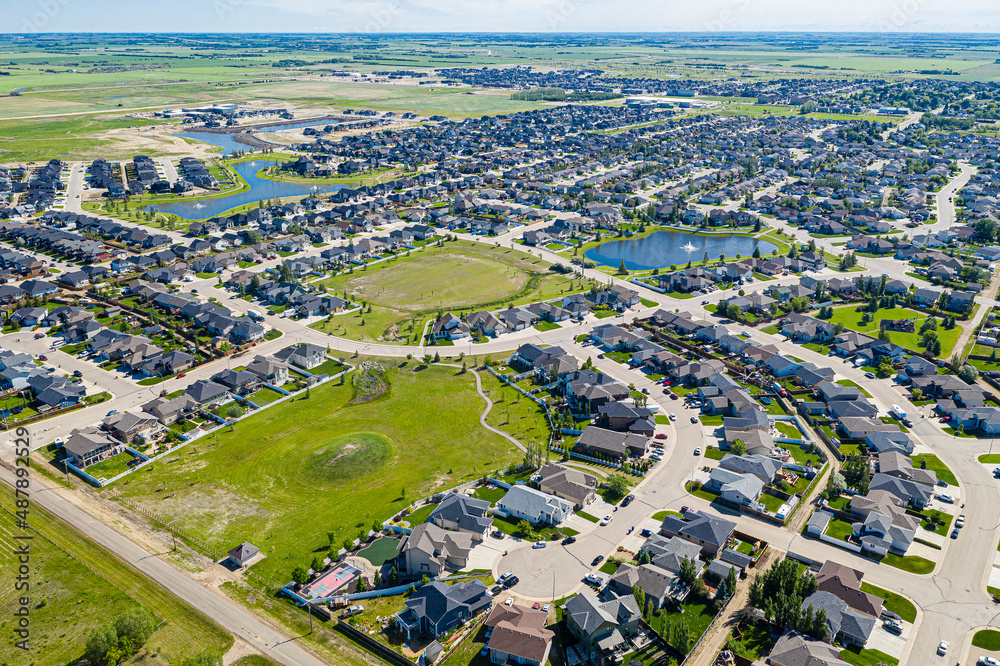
x,y
431,550
794,649
762,467
603,627
895,463
570,484
659,585
88,446
269,370
617,445
170,411
538,508
517,635
133,428
708,532
437,608
305,355
206,392
844,624
844,582
735,488
462,513
243,555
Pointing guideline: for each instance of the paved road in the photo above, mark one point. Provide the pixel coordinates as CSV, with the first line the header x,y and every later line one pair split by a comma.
x,y
226,612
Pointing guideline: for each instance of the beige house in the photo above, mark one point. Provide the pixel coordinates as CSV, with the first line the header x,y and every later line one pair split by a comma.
x,y
568,483
433,551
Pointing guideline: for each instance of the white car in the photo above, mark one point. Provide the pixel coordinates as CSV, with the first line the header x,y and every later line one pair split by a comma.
x,y
594,578
960,521
605,520
509,601
545,608
947,499
942,647
988,661
538,544
504,576
697,451
673,417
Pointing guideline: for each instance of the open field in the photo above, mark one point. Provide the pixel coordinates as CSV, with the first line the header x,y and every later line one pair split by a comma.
x,y
407,291
78,586
284,478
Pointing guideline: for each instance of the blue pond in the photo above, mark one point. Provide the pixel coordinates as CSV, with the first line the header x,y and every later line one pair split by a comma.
x,y
260,188
668,247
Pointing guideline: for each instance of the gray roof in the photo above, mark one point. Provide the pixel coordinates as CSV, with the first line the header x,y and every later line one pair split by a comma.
x,y
467,512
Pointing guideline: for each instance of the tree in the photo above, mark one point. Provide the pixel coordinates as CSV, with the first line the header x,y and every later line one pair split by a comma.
x,y
234,411
300,575
738,447
835,485
102,640
731,581
617,487
361,585
968,374
523,528
688,574
640,598
621,268
134,628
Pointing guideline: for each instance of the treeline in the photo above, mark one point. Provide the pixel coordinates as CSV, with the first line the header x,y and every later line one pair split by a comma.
x,y
560,95
943,122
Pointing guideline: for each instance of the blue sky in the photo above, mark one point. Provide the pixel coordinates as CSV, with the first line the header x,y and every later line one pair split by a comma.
x,y
387,16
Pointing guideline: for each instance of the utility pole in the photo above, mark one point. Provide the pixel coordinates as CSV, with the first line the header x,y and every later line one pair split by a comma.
x,y
309,610
173,534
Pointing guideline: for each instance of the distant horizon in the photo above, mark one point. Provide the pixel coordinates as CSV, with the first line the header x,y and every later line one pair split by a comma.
x,y
349,17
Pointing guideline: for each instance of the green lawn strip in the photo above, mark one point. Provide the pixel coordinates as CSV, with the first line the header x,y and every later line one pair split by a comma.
x,y
714,453
839,529
421,515
895,603
987,639
547,326
954,433
330,455
702,492
610,568
990,458
852,654
111,467
787,429
491,495
84,586
380,552
912,563
770,502
711,419
587,516
662,515
934,464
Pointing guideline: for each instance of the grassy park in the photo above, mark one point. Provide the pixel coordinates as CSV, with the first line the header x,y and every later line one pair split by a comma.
x,y
850,317
406,291
327,459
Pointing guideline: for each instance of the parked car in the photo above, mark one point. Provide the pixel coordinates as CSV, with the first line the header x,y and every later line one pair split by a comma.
x,y
568,540
942,483
509,601
182,375
684,510
77,373
942,647
673,417
646,533
605,520
597,560
352,610
645,391
870,375
537,545
892,626
673,396
694,419
960,521
536,606
43,357
697,451
661,435
947,499
39,336
545,608
628,499
511,582
988,661
594,579
954,533
504,576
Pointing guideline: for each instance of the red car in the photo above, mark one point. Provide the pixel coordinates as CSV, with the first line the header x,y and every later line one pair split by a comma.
x,y
662,435
183,374
39,335
43,357
944,419
673,396
537,605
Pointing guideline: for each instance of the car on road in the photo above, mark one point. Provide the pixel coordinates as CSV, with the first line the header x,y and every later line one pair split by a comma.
x,y
112,412
39,335
645,391
504,576
947,499
942,647
43,357
954,533
870,375
661,435
673,417
568,540
537,545
694,419
597,560
511,582
605,520
271,312
960,521
509,601
77,373
697,451
673,396
704,302
182,375
194,291
628,499
684,510
988,661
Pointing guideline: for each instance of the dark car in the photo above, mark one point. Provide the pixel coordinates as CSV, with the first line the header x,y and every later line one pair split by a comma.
x,y
510,582
646,533
954,533
597,560
628,499
568,540
77,373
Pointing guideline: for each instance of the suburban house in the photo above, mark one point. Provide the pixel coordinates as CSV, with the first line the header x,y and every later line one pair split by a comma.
x,y
845,624
243,555
517,635
437,608
431,550
707,531
305,356
795,649
568,483
538,508
88,446
462,513
602,627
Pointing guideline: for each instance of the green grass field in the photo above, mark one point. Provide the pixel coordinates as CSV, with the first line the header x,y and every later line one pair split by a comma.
x,y
934,464
287,476
851,318
461,276
987,639
901,606
77,586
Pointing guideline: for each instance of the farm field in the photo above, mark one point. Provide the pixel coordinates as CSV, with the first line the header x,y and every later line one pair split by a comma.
x,y
286,477
407,291
851,318
82,587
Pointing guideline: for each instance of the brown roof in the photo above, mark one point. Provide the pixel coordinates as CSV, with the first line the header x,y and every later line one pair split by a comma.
x,y
527,643
844,583
519,616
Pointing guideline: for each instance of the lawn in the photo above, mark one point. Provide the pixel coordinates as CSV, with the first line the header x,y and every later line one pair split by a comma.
x,y
851,382
698,615
711,419
866,657
756,641
77,586
912,563
770,502
421,515
662,515
547,326
990,458
514,413
851,318
934,464
714,453
491,495
406,291
287,476
610,568
895,603
788,430
587,516
110,467
329,367
702,492
381,551
987,639
264,396
839,529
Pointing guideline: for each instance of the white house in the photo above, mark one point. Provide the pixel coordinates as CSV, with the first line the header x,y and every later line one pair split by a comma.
x,y
524,503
